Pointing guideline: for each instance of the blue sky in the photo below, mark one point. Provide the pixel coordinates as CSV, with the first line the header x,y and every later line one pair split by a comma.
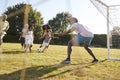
x,y
84,10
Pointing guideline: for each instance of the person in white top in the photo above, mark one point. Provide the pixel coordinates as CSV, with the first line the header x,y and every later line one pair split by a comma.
x,y
4,26
29,37
22,36
84,36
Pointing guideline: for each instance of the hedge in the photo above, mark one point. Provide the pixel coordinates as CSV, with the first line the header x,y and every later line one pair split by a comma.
x,y
99,40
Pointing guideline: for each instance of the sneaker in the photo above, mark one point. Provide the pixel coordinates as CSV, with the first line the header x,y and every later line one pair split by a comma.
x,y
95,61
66,61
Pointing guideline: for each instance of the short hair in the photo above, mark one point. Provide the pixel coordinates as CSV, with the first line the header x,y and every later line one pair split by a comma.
x,y
5,15
46,26
75,19
31,26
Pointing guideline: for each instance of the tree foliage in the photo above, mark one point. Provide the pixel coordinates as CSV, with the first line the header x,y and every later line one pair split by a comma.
x,y
36,19
17,22
116,31
60,22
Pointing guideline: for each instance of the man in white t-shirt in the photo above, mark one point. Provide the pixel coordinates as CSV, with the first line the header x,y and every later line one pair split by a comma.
x,y
4,26
84,36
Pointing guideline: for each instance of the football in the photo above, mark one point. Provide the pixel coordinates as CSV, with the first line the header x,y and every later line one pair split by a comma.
x,y
38,50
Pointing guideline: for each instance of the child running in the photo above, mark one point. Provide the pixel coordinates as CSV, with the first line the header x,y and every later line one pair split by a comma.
x,y
29,37
47,36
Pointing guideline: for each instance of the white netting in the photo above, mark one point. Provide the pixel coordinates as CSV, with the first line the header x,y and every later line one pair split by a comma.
x,y
101,7
110,9
114,13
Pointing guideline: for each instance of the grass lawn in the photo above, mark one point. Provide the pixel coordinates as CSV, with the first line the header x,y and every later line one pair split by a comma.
x,y
17,65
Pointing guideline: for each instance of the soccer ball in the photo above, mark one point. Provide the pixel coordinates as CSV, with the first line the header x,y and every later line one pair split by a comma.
x,y
38,50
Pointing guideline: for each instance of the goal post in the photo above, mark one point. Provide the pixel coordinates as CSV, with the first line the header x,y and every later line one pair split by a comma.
x,y
110,9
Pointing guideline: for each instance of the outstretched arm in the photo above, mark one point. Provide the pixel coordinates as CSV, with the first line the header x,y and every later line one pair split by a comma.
x,y
43,36
67,32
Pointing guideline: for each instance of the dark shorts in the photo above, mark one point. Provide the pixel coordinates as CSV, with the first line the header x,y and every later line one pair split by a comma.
x,y
22,40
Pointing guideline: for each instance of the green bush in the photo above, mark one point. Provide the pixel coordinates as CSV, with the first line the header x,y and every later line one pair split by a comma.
x,y
11,38
98,40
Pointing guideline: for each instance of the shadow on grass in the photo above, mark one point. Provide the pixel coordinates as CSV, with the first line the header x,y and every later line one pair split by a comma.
x,y
13,52
89,64
35,73
42,72
79,70
103,60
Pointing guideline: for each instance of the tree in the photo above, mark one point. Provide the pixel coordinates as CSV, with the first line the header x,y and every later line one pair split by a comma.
x,y
17,22
60,22
116,31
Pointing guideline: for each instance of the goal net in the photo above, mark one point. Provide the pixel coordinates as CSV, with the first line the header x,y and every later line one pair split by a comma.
x,y
110,9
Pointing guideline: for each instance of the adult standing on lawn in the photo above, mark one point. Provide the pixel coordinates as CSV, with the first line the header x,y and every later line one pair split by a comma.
x,y
84,36
4,26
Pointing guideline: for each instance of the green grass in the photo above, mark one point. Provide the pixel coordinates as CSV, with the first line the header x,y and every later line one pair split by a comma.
x,y
47,66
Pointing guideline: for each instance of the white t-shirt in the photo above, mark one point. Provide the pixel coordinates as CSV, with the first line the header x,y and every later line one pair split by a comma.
x,y
83,30
24,31
3,25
